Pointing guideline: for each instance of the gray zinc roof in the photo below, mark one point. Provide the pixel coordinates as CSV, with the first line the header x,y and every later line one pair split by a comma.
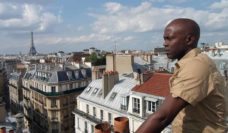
x,y
123,87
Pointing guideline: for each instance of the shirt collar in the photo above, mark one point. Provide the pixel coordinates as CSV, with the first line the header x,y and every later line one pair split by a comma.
x,y
192,53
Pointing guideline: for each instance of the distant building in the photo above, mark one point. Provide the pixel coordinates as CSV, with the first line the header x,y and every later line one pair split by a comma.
x,y
2,110
15,92
127,63
4,90
97,71
49,93
159,51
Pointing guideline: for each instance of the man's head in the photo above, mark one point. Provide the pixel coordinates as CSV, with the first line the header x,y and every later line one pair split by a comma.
x,y
180,36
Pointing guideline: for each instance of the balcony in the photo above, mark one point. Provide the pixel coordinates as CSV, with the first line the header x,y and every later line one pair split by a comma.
x,y
57,93
87,116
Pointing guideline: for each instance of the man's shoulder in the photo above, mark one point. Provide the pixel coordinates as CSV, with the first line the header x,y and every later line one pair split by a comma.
x,y
201,60
198,65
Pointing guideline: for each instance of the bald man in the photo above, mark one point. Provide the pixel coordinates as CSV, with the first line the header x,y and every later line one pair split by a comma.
x,y
196,101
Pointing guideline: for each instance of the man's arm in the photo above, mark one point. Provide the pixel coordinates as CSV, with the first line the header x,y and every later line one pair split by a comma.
x,y
164,116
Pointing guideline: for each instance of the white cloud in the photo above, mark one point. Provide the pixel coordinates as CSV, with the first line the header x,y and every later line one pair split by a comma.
x,y
128,38
173,1
51,40
220,5
26,16
113,7
145,18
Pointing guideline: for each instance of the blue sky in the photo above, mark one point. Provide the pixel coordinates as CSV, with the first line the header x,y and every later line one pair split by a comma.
x,y
73,25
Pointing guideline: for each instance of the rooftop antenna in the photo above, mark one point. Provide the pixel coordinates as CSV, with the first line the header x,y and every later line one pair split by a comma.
x,y
115,48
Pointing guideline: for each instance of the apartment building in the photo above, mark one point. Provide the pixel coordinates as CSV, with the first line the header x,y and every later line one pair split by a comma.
x,y
107,98
4,90
49,93
128,63
101,101
2,110
146,98
15,92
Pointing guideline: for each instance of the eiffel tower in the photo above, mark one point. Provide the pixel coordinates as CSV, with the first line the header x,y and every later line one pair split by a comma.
x,y
32,50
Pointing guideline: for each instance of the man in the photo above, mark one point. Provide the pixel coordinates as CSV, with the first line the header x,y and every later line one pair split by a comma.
x,y
196,101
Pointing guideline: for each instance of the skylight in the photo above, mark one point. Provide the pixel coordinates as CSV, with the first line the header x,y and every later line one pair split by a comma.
x,y
88,89
100,93
113,95
95,90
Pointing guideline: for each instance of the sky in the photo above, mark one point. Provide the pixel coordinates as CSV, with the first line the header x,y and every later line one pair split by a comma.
x,y
74,25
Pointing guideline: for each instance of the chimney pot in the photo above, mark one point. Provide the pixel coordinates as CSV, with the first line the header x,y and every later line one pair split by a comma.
x,y
11,131
103,128
3,130
121,125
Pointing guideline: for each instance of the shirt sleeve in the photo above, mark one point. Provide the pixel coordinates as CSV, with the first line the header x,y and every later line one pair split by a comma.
x,y
191,82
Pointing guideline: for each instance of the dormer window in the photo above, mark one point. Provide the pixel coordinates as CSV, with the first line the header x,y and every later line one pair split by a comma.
x,y
113,95
69,75
100,93
124,103
76,73
151,106
95,90
136,105
84,73
88,89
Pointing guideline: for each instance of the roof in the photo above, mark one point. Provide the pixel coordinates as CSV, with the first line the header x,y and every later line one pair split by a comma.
x,y
113,99
157,85
58,75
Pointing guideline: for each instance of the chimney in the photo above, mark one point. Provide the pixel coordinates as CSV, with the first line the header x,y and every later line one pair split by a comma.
x,y
109,80
121,125
103,128
145,76
3,130
139,76
225,74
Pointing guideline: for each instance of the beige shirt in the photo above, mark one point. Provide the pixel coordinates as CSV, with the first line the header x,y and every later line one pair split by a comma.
x,y
197,81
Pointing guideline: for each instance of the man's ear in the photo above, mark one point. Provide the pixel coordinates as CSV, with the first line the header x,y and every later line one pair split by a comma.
x,y
190,39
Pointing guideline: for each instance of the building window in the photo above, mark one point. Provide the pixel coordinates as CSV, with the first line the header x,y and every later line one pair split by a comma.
x,y
53,103
78,123
95,91
76,73
136,105
76,85
53,89
88,89
54,116
124,103
110,118
94,111
86,127
84,73
69,75
92,128
55,127
100,93
87,108
113,95
152,106
102,114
